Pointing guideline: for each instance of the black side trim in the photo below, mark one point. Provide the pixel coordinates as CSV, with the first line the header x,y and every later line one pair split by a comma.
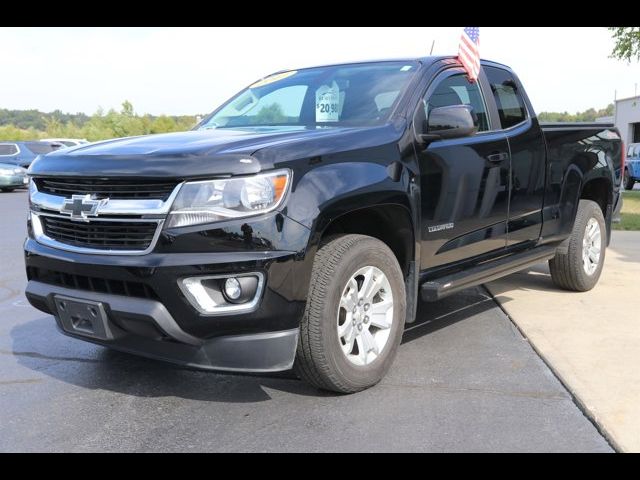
x,y
485,272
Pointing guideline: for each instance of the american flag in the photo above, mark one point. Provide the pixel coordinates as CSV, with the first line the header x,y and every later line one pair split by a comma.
x,y
469,51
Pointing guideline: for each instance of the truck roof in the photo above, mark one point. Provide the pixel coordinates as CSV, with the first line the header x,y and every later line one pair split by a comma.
x,y
426,60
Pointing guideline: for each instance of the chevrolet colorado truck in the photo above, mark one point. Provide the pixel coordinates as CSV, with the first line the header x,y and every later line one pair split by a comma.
x,y
299,224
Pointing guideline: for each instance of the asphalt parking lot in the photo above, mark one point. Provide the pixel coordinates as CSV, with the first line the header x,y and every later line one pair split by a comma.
x,y
464,380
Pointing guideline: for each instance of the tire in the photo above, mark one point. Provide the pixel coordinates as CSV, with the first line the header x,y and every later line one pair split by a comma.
x,y
321,357
628,181
8,190
568,270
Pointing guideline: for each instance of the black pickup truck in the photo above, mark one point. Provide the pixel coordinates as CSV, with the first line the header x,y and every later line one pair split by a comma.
x,y
300,223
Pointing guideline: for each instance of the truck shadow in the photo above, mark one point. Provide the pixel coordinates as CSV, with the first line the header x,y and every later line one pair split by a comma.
x,y
535,278
39,346
434,316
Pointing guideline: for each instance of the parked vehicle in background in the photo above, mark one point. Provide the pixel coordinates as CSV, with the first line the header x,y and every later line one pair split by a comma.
x,y
23,153
300,223
12,177
69,142
632,166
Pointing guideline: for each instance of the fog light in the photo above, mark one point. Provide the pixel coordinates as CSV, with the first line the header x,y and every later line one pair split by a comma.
x,y
224,294
232,289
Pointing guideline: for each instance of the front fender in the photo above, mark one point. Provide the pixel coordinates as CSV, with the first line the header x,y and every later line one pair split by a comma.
x,y
332,190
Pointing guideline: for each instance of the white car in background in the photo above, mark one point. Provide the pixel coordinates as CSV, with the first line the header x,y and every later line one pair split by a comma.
x,y
69,142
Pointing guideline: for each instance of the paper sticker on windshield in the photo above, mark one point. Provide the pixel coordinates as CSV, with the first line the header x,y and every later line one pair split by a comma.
x,y
328,103
273,78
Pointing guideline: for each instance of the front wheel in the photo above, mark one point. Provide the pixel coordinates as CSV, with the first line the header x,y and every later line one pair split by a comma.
x,y
355,313
579,268
7,189
627,180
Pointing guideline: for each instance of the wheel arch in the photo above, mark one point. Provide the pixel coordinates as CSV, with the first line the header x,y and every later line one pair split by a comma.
x,y
391,223
599,190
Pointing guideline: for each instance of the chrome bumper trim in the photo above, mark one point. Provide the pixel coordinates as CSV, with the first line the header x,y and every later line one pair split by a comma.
x,y
112,207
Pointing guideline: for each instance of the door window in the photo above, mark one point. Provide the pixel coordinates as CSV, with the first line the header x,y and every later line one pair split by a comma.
x,y
511,109
458,90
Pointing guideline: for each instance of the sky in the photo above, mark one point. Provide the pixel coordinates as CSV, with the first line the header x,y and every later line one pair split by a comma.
x,y
190,70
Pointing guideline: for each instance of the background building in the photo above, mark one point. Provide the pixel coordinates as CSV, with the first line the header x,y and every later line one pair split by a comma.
x,y
627,119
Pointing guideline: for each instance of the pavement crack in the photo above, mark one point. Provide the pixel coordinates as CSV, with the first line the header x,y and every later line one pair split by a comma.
x,y
48,357
538,395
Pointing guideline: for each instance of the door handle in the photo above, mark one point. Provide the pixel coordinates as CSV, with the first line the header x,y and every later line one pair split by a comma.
x,y
497,157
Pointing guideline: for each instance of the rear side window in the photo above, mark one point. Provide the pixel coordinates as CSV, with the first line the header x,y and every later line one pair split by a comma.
x,y
8,149
510,104
40,148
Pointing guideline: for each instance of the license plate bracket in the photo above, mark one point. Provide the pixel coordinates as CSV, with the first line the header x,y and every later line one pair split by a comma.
x,y
83,317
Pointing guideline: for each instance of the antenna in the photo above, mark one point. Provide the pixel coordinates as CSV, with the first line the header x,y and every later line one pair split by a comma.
x,y
433,43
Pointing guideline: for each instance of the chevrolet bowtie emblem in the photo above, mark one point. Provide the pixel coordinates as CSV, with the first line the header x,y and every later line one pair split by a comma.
x,y
80,207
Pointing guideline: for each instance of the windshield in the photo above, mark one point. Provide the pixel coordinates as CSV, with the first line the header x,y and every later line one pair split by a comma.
x,y
356,94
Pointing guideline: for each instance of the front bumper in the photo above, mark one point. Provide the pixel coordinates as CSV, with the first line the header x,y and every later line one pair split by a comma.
x,y
152,316
142,306
159,336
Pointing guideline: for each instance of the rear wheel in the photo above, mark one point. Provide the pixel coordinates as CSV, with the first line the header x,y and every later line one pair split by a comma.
x,y
354,318
627,180
580,267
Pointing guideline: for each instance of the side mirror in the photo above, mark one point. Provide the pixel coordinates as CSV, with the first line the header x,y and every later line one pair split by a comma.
x,y
452,121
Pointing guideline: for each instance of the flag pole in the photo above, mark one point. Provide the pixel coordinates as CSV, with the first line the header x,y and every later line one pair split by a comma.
x,y
432,44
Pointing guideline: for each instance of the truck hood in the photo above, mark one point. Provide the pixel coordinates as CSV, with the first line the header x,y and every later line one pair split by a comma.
x,y
204,153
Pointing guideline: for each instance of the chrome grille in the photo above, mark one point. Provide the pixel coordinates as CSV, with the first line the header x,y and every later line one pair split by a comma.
x,y
128,223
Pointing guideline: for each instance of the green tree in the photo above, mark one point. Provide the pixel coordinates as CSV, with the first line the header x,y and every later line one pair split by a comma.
x,y
163,124
11,132
127,109
33,124
587,116
627,45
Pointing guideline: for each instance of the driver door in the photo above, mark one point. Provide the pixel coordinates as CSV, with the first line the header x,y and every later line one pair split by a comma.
x,y
464,181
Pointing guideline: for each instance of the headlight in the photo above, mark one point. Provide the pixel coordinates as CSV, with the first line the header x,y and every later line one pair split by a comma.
x,y
19,171
214,200
6,171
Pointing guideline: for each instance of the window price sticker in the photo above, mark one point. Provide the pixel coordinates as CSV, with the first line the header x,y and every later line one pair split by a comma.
x,y
328,103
